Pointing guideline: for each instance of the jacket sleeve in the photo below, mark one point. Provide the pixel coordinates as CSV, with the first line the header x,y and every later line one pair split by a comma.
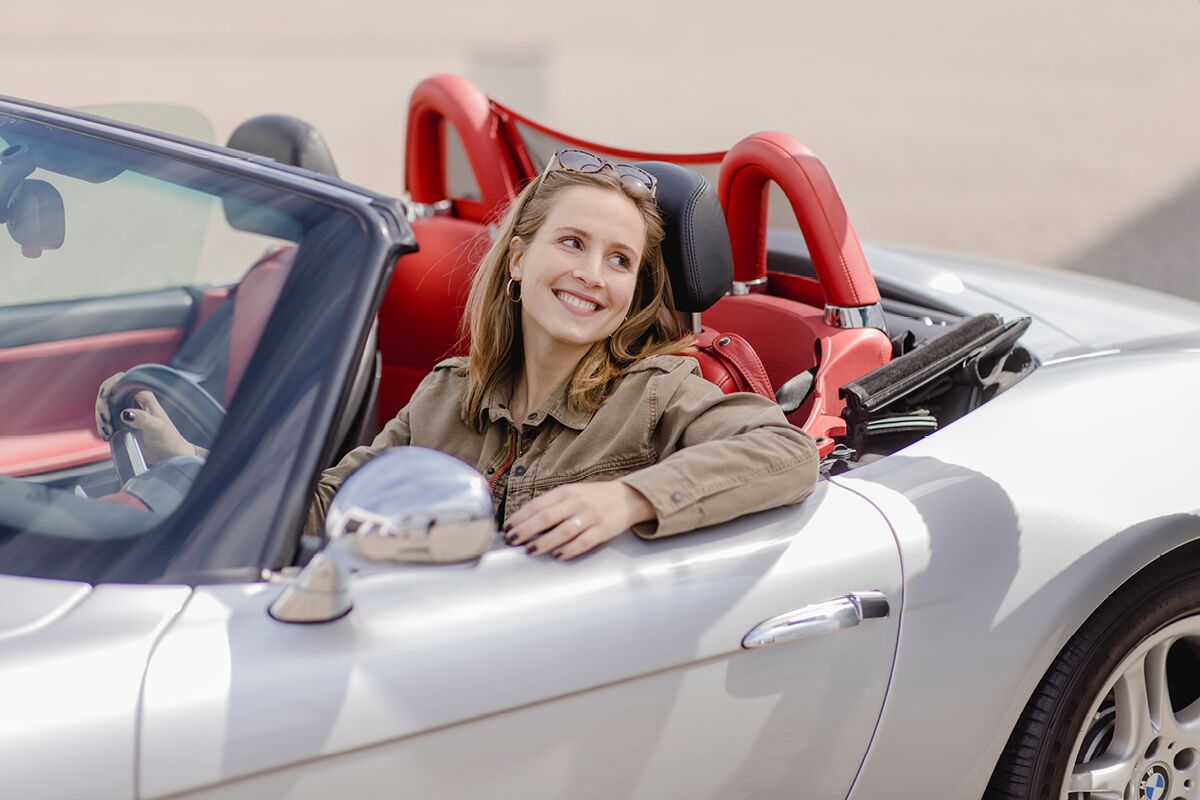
x,y
394,434
434,387
727,455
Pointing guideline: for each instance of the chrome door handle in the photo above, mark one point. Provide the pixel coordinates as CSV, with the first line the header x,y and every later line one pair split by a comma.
x,y
832,615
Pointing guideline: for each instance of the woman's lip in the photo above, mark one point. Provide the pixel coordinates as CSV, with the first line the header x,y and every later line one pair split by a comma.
x,y
577,310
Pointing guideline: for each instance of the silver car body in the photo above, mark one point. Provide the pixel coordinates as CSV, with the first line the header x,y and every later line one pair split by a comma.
x,y
624,675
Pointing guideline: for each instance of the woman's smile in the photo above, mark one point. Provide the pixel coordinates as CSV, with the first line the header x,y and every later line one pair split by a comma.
x,y
577,303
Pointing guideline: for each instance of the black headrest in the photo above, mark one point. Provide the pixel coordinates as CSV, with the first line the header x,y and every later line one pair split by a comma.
x,y
287,140
696,248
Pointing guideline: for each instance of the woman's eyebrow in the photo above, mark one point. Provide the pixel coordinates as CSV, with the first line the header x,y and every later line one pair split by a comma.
x,y
573,230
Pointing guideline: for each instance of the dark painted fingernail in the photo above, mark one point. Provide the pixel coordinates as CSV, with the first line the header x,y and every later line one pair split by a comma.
x,y
511,538
104,418
507,526
558,556
127,415
532,549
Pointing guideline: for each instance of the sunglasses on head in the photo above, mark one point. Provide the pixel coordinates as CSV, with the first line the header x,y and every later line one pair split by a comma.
x,y
572,160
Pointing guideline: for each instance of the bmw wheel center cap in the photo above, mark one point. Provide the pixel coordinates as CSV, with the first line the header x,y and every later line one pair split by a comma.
x,y
1154,784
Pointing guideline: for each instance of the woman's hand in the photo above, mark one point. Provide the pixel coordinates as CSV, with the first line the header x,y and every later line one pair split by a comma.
x,y
571,520
104,425
159,437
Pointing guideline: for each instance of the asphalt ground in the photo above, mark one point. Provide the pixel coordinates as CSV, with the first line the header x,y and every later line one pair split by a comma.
x,y
1062,134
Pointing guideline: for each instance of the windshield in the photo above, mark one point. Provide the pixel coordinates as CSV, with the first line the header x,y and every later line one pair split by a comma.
x,y
146,282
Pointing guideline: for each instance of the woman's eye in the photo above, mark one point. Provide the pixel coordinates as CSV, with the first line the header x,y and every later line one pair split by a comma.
x,y
619,261
571,241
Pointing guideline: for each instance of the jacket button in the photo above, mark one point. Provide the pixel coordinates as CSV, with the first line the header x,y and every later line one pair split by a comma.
x,y
532,416
491,470
519,471
676,497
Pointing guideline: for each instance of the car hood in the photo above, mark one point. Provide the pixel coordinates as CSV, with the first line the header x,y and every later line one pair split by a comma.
x,y
1072,314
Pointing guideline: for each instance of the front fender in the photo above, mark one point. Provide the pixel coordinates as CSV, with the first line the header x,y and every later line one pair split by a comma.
x,y
1014,524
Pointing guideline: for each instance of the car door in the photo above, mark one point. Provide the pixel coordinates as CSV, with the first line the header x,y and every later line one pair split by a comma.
x,y
620,675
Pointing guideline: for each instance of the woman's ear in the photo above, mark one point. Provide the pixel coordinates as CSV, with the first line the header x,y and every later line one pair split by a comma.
x,y
516,247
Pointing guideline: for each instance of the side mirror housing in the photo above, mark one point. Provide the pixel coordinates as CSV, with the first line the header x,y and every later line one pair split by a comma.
x,y
414,505
408,505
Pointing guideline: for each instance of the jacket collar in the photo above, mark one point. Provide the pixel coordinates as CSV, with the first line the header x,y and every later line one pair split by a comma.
x,y
495,405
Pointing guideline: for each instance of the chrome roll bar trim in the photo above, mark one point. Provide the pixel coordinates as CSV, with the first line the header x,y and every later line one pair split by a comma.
x,y
856,316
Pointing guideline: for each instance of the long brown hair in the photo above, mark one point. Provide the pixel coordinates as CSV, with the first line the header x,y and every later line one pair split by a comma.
x,y
493,322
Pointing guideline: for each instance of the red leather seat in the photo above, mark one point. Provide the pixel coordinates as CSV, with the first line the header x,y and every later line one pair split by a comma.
x,y
419,317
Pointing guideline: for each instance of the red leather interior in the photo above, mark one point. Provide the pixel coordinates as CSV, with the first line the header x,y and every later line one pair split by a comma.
x,y
746,172
124,499
48,391
790,338
64,376
418,320
450,99
49,452
729,361
209,302
252,305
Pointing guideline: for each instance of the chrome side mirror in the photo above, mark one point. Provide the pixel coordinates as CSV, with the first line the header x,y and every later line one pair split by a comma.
x,y
408,505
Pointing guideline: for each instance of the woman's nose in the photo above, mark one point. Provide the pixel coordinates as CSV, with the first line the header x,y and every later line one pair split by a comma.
x,y
591,272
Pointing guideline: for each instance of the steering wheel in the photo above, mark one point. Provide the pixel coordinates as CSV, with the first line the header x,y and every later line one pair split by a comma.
x,y
196,413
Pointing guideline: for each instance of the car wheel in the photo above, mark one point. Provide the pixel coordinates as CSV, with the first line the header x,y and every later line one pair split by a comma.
x,y
1117,716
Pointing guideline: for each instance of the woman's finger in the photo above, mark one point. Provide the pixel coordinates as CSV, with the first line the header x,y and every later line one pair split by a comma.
x,y
529,522
585,542
570,528
534,507
149,402
104,422
136,419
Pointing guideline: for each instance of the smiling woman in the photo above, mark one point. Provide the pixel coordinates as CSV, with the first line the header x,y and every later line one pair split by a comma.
x,y
575,400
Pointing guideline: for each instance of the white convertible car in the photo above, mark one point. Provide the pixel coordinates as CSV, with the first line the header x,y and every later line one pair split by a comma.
x,y
994,591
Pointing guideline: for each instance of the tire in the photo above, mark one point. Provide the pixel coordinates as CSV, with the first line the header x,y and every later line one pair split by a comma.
x,y
1089,721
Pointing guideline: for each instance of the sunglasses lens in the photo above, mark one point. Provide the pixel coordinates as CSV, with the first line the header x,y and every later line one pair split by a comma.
x,y
637,179
636,185
580,161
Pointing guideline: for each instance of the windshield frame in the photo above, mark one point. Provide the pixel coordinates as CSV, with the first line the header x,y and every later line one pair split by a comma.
x,y
243,514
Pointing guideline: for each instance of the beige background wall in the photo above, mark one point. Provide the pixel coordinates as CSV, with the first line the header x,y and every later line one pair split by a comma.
x,y
1058,133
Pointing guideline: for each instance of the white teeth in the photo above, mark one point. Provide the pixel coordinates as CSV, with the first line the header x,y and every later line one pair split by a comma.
x,y
578,302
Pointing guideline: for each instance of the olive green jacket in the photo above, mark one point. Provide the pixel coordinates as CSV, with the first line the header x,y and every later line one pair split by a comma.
x,y
699,456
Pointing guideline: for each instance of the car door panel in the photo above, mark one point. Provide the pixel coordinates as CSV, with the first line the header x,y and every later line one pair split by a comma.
x,y
37,323
522,676
64,351
73,660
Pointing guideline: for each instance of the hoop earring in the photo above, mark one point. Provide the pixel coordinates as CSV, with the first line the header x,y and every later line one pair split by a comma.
x,y
513,290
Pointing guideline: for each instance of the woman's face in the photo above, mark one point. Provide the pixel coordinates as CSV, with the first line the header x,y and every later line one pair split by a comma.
x,y
579,272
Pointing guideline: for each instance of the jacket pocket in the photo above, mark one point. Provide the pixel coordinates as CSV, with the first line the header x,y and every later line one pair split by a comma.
x,y
606,470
